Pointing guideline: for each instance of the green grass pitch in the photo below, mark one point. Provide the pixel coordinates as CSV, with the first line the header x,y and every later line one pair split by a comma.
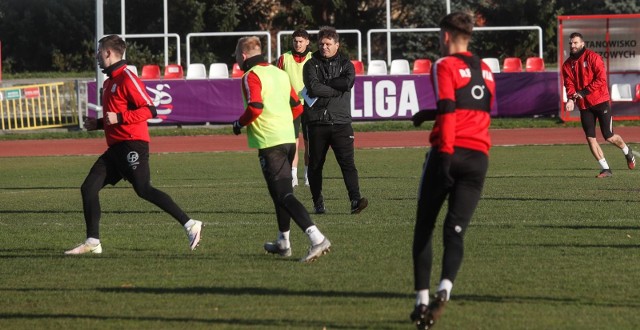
x,y
550,247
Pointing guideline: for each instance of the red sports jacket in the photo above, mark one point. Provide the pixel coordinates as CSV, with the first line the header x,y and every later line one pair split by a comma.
x,y
124,94
464,104
587,74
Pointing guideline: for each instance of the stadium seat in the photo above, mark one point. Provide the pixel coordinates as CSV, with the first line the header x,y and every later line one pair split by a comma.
x,y
133,69
400,66
173,71
637,93
218,71
359,66
621,93
534,64
493,63
150,71
236,72
512,64
196,71
422,66
377,68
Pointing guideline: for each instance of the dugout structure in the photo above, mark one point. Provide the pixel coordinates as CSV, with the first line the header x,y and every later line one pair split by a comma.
x,y
617,39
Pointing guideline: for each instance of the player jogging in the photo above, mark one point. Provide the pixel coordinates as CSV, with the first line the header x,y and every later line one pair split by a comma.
x,y
271,104
585,80
126,108
455,166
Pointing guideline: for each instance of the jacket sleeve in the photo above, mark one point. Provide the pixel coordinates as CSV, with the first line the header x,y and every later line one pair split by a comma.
x,y
347,78
296,106
446,106
140,106
568,79
252,90
315,83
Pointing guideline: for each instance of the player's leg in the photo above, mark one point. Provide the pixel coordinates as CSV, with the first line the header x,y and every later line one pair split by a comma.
x,y
342,143
588,121
306,153
603,113
431,196
318,147
275,167
468,168
134,165
99,175
294,162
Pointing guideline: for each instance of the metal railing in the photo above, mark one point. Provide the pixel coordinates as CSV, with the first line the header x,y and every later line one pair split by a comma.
x,y
431,30
38,106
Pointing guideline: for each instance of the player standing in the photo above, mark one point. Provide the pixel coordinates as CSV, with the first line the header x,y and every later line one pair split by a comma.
x,y
585,80
292,63
455,166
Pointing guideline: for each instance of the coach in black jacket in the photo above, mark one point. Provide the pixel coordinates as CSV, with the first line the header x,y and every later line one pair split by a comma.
x,y
329,77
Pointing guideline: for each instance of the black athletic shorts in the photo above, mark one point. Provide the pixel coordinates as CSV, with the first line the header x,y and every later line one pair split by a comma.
x,y
600,112
276,161
127,160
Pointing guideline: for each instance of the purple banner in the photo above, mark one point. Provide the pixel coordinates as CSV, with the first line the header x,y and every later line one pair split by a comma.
x,y
372,98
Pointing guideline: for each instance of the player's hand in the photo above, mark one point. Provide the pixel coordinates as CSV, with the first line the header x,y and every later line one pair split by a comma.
x,y
423,115
111,118
237,128
90,124
570,105
445,169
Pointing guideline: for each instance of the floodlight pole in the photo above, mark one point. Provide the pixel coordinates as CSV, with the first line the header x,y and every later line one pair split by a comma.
x,y
388,32
99,34
166,31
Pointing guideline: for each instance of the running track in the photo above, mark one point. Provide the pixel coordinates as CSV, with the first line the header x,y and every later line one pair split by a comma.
x,y
216,143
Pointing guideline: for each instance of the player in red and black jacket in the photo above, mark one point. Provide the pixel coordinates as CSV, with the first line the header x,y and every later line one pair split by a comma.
x,y
126,108
456,164
585,80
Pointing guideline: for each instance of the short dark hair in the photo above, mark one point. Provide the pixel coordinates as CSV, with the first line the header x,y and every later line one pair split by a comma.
x,y
113,42
458,24
301,33
328,32
576,34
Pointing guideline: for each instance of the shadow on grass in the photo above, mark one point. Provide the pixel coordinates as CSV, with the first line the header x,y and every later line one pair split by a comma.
x,y
257,291
542,299
236,322
580,227
527,199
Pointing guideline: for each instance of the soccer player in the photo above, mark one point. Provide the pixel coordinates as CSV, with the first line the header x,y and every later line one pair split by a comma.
x,y
126,108
455,166
292,63
585,80
271,104
329,77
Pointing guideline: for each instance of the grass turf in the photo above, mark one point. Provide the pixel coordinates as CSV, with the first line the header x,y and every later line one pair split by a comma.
x,y
550,247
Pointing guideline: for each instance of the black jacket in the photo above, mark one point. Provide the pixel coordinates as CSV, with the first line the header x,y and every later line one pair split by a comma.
x,y
330,80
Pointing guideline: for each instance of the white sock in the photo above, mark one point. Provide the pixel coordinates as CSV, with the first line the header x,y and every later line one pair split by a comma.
x,y
189,223
283,236
92,241
447,285
603,164
625,150
294,172
422,297
306,171
315,236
